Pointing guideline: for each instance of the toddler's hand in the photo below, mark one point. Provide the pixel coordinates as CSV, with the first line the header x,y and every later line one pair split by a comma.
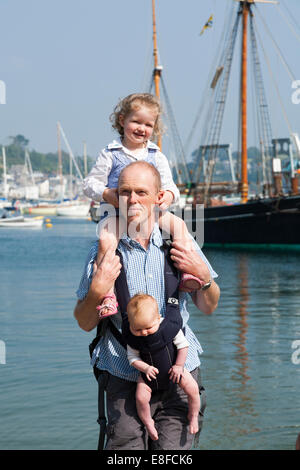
x,y
110,195
176,372
151,372
166,200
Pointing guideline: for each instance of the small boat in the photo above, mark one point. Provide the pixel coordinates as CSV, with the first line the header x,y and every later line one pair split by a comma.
x,y
41,210
74,211
12,220
25,223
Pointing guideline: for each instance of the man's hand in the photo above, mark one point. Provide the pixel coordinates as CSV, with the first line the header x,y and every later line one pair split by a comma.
x,y
176,372
186,259
103,278
165,200
106,273
111,196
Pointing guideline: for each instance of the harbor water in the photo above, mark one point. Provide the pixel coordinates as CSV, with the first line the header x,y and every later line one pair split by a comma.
x,y
250,365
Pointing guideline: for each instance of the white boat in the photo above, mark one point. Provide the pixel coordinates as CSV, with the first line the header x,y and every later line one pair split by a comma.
x,y
41,210
12,220
25,223
75,211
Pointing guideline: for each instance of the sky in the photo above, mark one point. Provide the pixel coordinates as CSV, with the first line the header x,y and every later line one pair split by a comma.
x,y
72,60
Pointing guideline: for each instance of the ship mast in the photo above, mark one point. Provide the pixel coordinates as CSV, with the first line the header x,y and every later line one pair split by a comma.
x,y
157,68
245,9
244,174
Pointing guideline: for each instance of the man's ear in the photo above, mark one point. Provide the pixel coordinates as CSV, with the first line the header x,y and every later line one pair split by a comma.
x,y
159,196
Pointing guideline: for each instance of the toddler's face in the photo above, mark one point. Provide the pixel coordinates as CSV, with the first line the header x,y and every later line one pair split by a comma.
x,y
138,126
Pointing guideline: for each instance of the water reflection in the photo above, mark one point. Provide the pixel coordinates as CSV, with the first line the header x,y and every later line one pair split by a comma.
x,y
243,295
244,392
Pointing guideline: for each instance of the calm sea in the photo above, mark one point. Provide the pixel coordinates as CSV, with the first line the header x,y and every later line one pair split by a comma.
x,y
48,393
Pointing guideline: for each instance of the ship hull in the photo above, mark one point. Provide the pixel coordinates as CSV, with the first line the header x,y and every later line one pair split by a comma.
x,y
264,222
273,221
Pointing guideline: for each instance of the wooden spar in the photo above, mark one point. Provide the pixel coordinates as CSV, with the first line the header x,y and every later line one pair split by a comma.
x,y
244,173
59,157
157,69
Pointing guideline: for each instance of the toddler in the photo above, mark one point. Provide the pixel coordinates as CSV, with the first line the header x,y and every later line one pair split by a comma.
x,y
136,118
144,319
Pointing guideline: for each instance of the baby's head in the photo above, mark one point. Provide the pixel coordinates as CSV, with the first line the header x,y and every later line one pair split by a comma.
x,y
143,315
133,103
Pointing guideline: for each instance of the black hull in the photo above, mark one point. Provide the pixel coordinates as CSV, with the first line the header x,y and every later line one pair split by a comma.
x,y
272,221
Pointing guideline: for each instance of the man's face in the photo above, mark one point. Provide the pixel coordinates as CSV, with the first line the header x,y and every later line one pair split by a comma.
x,y
138,195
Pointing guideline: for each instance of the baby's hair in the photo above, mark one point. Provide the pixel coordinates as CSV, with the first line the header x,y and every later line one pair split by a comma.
x,y
136,305
133,102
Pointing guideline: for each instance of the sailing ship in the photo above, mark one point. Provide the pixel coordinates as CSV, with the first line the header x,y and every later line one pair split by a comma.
x,y
272,216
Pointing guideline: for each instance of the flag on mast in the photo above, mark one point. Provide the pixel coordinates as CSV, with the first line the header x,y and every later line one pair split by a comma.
x,y
208,24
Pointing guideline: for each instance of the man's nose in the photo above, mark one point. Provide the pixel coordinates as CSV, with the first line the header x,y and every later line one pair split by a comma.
x,y
132,197
144,332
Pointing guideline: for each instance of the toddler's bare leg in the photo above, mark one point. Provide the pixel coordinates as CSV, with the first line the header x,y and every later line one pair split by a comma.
x,y
143,396
174,226
177,228
108,241
190,387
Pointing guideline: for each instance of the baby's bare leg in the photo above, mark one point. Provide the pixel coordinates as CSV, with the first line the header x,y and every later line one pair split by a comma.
x,y
190,387
143,396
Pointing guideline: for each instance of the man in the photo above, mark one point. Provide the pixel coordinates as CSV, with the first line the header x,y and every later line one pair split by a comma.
x,y
143,258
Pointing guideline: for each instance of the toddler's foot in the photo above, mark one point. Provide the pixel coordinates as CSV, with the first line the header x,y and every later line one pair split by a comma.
x,y
151,430
108,306
189,283
194,426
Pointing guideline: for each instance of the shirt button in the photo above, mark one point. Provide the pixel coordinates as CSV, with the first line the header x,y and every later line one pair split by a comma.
x,y
151,276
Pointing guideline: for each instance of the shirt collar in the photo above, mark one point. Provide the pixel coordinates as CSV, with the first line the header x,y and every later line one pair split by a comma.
x,y
117,144
155,239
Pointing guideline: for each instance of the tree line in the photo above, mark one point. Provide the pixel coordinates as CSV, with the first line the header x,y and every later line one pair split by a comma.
x,y
46,163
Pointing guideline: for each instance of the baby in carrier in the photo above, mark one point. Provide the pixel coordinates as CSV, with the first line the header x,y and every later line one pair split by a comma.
x,y
159,352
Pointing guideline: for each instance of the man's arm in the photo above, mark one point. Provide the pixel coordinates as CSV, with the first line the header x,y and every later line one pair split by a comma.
x,y
186,259
103,278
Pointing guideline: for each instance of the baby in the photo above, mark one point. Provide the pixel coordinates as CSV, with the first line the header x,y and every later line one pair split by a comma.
x,y
145,320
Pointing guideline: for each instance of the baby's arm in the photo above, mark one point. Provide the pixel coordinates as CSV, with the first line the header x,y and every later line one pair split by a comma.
x,y
182,345
135,361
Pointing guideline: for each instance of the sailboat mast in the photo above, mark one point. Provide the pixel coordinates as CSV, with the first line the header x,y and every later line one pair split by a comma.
x,y
59,157
157,68
244,174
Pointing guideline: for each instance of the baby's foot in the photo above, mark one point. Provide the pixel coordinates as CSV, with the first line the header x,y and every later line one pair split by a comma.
x,y
151,430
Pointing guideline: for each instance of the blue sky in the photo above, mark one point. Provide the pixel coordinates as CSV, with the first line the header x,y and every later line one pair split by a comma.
x,y
71,60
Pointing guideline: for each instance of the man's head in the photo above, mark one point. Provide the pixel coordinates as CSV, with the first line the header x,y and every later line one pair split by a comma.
x,y
143,315
139,191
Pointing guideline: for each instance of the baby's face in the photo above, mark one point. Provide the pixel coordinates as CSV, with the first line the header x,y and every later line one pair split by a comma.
x,y
148,324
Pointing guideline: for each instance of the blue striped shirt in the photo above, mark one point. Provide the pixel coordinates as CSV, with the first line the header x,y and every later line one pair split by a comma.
x,y
145,273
